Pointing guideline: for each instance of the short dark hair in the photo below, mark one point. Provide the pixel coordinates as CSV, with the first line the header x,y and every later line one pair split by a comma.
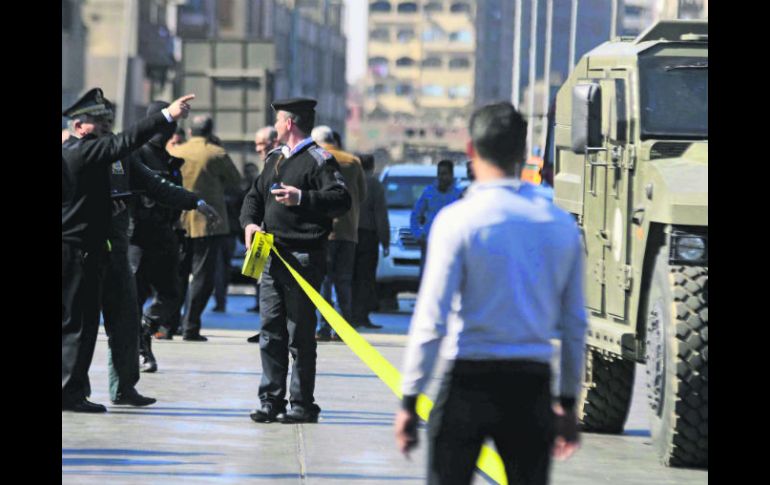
x,y
445,163
337,139
305,121
499,135
202,125
367,161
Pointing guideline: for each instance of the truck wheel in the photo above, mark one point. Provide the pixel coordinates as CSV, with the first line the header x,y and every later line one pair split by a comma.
x,y
677,362
606,395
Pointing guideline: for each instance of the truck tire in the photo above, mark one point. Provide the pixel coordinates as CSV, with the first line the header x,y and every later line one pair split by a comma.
x,y
677,362
606,396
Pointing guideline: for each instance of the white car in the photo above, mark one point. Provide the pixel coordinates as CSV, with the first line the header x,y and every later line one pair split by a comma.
x,y
400,270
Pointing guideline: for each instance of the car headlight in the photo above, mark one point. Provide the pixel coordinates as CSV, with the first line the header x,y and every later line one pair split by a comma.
x,y
689,248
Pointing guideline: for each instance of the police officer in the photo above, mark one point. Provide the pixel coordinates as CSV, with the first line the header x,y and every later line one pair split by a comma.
x,y
121,313
86,220
295,198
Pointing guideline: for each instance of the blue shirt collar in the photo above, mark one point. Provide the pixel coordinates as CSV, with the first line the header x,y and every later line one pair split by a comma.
x,y
301,145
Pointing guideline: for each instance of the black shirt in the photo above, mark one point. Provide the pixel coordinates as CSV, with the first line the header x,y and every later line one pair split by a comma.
x,y
316,173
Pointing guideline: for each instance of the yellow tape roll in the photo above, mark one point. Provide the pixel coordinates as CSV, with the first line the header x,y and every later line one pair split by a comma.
x,y
489,461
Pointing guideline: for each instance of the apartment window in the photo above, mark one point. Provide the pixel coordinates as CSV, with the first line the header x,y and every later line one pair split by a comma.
x,y
225,13
433,90
405,62
462,37
433,7
378,66
459,63
405,35
432,62
407,7
460,7
379,89
380,7
404,90
433,34
456,92
380,33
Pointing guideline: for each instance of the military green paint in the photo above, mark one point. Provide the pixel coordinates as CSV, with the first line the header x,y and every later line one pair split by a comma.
x,y
604,188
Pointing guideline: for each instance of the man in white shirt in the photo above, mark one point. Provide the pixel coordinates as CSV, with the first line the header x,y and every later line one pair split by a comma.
x,y
497,286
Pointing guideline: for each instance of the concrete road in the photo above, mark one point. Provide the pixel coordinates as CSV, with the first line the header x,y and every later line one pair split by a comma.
x,y
200,431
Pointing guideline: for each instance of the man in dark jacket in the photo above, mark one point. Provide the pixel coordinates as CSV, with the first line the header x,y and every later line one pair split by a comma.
x,y
86,220
295,198
154,242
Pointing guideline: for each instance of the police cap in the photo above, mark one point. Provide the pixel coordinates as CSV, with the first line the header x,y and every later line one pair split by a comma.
x,y
295,105
92,103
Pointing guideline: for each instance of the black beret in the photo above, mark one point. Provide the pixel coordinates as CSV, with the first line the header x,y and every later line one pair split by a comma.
x,y
91,103
295,105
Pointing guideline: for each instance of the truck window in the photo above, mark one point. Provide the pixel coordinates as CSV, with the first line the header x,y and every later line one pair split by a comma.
x,y
674,97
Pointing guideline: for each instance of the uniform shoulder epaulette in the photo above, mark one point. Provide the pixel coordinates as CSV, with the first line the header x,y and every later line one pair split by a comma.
x,y
321,156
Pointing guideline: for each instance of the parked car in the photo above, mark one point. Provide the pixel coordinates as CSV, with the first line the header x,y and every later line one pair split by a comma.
x,y
400,270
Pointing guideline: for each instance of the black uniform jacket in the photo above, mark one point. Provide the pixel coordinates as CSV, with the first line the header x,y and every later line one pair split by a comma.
x,y
136,176
86,219
316,173
154,213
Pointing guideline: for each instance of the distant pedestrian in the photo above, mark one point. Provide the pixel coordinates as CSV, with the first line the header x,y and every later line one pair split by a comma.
x,y
295,198
208,172
373,231
504,274
341,250
433,198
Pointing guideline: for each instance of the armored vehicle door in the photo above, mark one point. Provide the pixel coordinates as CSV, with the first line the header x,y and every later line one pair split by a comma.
x,y
620,159
605,201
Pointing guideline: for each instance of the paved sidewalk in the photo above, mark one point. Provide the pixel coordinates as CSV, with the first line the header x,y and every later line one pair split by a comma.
x,y
200,431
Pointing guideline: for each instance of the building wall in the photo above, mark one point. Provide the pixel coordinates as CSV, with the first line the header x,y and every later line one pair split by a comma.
x,y
73,46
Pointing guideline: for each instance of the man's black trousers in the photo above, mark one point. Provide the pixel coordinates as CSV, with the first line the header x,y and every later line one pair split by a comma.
x,y
81,293
122,324
202,263
508,401
364,276
288,327
157,270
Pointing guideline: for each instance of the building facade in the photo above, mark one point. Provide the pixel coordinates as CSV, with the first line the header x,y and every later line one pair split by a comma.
x,y
73,52
420,78
245,54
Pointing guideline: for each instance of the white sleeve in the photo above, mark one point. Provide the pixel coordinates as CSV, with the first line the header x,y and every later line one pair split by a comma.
x,y
440,282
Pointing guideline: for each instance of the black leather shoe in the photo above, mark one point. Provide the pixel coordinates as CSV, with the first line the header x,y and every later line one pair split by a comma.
x,y
83,406
369,325
134,399
254,339
195,338
254,309
218,309
267,414
323,337
301,415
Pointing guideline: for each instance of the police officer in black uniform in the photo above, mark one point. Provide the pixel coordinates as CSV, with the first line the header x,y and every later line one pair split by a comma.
x,y
154,248
295,198
86,220
119,305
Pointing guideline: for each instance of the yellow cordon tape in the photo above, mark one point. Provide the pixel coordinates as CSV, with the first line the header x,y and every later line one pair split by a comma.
x,y
489,461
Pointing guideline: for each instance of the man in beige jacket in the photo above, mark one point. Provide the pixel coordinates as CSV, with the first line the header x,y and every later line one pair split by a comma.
x,y
341,251
209,172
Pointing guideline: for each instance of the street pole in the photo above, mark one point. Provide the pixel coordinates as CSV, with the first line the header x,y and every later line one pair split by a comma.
x,y
547,68
516,55
532,74
614,19
572,33
129,14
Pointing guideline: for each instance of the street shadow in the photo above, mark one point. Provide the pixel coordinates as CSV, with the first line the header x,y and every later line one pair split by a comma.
x,y
118,451
637,432
124,462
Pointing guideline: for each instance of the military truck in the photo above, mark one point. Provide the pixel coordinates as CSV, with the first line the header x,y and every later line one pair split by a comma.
x,y
630,140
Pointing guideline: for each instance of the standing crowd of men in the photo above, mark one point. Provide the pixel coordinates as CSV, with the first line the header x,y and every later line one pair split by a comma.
x,y
144,212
